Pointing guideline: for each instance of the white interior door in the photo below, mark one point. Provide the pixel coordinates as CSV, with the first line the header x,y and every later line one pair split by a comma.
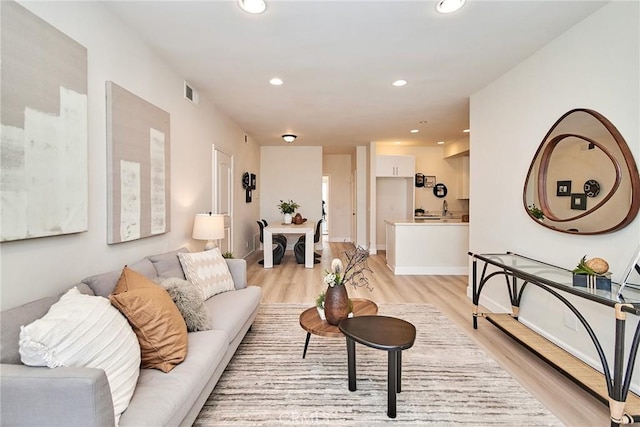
x,y
223,195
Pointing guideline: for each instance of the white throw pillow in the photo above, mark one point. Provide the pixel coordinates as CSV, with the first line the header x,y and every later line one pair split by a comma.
x,y
207,270
86,331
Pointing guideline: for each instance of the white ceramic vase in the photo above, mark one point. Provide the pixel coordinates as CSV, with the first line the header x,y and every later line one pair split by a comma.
x,y
287,218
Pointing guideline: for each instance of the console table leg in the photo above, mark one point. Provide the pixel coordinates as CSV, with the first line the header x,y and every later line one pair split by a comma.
x,y
392,372
351,362
399,372
306,344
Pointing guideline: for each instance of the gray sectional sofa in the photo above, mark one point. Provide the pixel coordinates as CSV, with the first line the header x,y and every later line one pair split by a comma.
x,y
40,396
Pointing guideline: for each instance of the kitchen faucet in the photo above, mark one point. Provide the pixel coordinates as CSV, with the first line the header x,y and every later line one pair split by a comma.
x,y
445,208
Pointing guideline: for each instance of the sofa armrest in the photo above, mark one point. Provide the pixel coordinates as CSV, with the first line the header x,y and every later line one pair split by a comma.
x,y
55,397
238,269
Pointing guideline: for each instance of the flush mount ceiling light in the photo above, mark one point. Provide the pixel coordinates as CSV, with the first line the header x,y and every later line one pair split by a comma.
x,y
449,6
414,131
440,142
289,137
276,81
466,130
252,6
399,83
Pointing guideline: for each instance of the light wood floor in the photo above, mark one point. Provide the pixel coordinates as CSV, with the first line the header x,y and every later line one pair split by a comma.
x,y
292,283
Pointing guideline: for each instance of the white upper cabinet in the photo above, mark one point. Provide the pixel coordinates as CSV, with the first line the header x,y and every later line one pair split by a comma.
x,y
396,166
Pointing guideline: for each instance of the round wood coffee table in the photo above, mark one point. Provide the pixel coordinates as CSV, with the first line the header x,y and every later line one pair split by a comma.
x,y
312,323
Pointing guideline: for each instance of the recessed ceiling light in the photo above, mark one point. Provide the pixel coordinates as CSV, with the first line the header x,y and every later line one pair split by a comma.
x,y
276,81
449,6
399,83
252,6
414,131
440,142
466,130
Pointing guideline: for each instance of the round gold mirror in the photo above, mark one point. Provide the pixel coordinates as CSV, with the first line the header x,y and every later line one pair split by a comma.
x,y
583,178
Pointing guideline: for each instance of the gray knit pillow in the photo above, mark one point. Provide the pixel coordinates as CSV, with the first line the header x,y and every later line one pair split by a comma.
x,y
189,301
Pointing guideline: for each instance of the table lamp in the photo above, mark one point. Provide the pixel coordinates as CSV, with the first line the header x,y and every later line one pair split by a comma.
x,y
209,227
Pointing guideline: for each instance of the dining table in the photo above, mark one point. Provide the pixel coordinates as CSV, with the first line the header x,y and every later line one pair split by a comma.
x,y
307,228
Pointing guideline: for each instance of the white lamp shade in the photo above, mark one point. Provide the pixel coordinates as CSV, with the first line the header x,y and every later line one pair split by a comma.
x,y
208,227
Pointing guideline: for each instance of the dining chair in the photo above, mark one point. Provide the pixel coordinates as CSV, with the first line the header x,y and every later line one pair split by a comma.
x,y
277,246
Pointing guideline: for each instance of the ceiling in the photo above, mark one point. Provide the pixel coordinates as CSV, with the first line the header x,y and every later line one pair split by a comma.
x,y
339,58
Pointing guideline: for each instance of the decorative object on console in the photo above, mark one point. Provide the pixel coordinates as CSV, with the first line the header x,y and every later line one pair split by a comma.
x,y
138,161
287,209
592,274
583,142
209,227
43,116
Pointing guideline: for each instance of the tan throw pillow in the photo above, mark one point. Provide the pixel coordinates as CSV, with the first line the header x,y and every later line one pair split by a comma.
x,y
155,319
207,270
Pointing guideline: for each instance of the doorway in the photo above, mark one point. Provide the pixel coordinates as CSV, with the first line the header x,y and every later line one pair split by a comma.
x,y
222,198
325,205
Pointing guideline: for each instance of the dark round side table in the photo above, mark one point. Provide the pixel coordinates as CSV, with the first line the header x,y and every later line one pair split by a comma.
x,y
383,333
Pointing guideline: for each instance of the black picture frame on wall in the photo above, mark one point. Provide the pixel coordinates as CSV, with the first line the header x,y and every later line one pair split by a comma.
x,y
253,181
563,188
579,201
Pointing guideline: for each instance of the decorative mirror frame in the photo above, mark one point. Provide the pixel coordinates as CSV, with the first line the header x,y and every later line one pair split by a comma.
x,y
546,149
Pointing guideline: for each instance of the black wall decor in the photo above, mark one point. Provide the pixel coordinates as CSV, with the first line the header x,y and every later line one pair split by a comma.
x,y
579,201
563,188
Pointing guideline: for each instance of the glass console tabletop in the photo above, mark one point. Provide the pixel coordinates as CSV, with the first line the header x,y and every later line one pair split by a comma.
x,y
531,270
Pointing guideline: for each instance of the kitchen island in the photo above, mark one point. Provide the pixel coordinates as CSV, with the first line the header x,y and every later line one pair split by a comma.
x,y
427,246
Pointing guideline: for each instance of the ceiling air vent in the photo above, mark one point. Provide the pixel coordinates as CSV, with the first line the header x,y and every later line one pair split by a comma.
x,y
190,94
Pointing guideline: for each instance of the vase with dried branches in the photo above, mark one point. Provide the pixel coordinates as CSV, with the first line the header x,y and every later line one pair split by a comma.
x,y
336,300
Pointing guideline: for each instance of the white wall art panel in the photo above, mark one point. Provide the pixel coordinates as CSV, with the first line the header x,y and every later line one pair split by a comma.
x,y
137,167
43,116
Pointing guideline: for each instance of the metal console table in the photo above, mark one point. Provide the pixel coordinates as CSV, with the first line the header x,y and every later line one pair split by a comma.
x,y
612,387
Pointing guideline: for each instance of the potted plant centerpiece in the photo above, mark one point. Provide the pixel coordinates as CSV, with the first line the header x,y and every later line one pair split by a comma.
x,y
336,299
288,208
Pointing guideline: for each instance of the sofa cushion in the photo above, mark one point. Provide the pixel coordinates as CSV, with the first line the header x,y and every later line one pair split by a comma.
x,y
168,264
188,298
104,284
162,399
208,270
230,310
155,319
85,331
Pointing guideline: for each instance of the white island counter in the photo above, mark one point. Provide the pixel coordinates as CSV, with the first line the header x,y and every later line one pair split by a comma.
x,y
436,247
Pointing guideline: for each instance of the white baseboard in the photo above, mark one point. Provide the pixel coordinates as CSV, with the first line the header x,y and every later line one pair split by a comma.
x,y
432,271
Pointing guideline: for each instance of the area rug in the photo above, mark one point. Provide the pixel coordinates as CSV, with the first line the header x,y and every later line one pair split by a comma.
x,y
446,379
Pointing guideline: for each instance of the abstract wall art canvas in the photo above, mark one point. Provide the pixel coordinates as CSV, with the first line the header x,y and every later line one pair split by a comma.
x,y
43,126
137,167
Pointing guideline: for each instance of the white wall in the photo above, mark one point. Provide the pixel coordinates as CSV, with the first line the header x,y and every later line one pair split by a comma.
x,y
42,267
593,65
294,173
338,168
